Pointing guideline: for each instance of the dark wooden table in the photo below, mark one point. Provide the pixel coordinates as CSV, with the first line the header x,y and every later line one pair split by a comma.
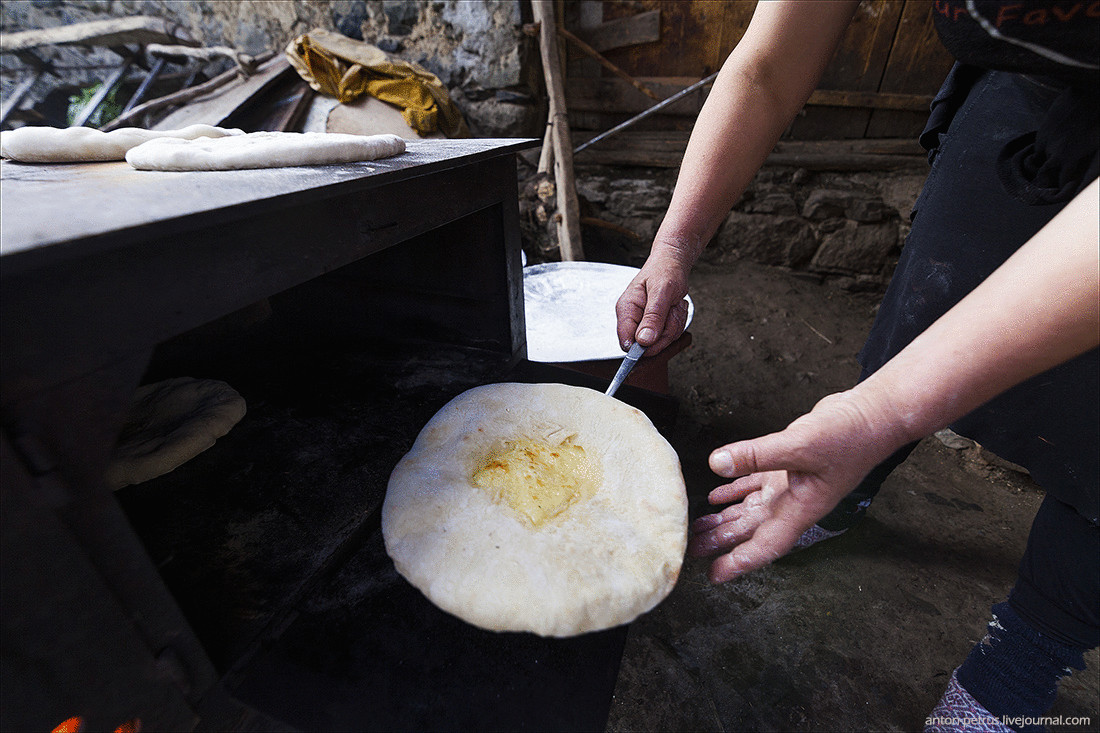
x,y
100,264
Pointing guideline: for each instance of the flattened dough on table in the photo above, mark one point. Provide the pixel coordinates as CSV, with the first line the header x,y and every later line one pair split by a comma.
x,y
168,424
262,150
610,551
88,145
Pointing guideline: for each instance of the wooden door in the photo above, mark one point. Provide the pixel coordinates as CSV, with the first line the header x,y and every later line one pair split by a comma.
x,y
879,84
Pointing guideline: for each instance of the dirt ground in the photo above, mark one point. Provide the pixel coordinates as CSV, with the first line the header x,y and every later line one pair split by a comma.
x,y
857,633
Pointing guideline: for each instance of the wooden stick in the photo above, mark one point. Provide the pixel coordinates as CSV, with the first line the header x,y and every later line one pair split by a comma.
x,y
246,63
594,222
182,96
593,53
569,230
546,155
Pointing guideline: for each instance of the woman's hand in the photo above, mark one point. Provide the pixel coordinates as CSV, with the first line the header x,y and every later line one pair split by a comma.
x,y
1039,309
762,85
787,481
652,309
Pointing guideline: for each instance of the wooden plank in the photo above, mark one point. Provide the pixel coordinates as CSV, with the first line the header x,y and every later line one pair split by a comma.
x,y
918,64
849,155
861,57
10,104
918,61
596,56
280,107
870,100
647,148
734,23
665,149
582,15
116,32
218,106
688,38
858,65
614,96
641,28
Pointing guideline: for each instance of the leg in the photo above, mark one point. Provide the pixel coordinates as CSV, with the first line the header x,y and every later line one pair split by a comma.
x,y
1040,634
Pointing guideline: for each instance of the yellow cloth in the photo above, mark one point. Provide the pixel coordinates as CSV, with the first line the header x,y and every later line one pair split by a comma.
x,y
344,68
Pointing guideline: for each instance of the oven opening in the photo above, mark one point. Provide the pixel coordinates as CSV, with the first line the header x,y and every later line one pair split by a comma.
x,y
270,540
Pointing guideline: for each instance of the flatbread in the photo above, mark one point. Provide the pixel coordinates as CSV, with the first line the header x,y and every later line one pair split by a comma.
x,y
85,144
607,554
262,150
168,424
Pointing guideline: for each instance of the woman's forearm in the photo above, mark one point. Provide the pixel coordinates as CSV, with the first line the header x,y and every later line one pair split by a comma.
x,y
1039,309
761,87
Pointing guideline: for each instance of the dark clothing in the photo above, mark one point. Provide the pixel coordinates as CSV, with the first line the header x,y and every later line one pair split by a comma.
x,y
965,225
1058,588
1015,670
1012,138
1055,38
1056,43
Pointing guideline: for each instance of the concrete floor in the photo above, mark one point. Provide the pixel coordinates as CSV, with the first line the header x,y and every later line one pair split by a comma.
x,y
858,633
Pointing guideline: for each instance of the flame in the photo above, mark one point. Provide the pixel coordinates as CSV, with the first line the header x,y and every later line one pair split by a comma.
x,y
75,724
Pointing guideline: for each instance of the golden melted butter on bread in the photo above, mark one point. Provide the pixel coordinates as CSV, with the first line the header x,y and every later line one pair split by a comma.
x,y
537,478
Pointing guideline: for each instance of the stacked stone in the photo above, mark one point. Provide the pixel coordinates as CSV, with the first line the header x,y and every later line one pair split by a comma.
x,y
846,227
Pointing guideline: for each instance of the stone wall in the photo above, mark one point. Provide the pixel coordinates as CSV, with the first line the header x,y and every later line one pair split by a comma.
x,y
847,228
476,47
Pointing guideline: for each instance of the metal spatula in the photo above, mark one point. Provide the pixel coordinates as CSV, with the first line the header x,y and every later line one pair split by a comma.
x,y
629,361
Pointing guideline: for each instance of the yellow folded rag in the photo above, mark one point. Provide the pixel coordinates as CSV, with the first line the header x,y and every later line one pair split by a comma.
x,y
344,68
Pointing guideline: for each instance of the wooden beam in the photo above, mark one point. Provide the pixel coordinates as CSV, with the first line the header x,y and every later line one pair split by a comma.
x,y
849,155
116,32
665,149
870,100
569,230
640,28
209,102
594,54
10,104
615,96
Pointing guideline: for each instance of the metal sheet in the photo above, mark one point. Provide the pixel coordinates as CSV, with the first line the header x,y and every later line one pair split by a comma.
x,y
570,310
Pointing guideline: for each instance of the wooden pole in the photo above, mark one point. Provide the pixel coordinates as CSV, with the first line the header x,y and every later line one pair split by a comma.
x,y
594,54
546,154
569,229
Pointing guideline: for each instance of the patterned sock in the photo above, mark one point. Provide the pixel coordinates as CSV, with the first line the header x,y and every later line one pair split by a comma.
x,y
814,535
958,711
1014,671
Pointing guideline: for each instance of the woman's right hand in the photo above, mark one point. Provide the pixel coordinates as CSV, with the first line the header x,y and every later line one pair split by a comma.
x,y
652,310
762,85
